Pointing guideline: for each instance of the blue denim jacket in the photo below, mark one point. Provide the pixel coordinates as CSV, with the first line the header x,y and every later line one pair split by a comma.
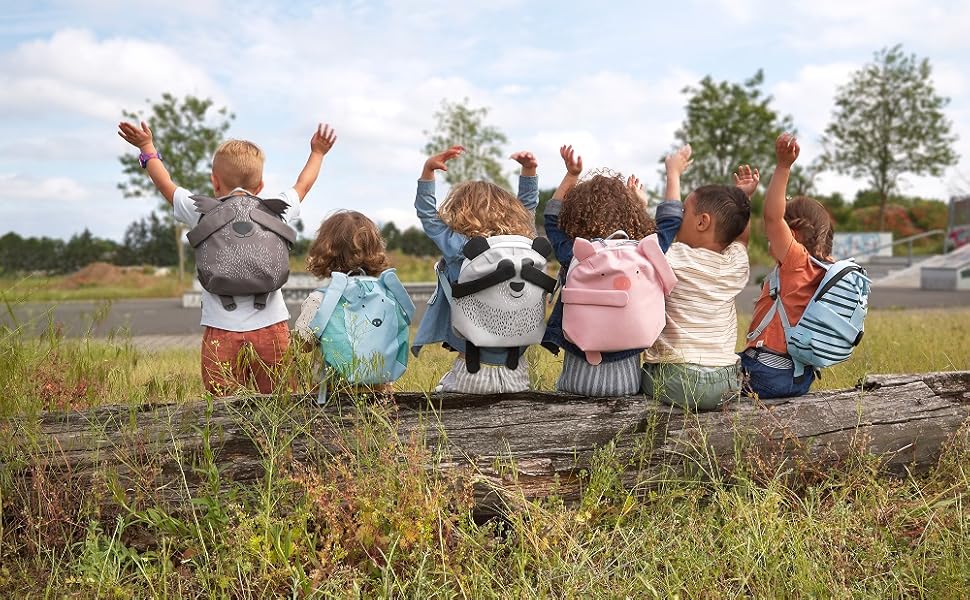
x,y
436,323
670,214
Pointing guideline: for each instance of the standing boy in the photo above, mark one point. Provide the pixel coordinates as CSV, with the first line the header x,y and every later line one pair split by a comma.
x,y
237,168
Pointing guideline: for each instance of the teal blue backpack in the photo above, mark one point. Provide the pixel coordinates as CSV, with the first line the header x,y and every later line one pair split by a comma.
x,y
362,329
833,322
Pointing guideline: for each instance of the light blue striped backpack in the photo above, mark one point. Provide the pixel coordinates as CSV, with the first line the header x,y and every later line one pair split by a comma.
x,y
832,324
362,329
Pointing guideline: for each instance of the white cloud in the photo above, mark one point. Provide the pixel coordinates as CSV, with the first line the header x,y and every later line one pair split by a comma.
x,y
74,73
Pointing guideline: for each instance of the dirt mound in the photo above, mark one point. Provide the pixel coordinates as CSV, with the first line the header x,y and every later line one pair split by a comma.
x,y
104,274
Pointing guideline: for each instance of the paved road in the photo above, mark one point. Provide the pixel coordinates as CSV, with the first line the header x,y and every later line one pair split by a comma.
x,y
166,317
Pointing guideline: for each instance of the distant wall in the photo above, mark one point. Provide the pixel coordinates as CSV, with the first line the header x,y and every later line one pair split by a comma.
x,y
861,245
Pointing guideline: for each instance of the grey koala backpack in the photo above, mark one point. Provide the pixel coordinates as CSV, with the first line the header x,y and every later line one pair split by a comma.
x,y
242,247
500,296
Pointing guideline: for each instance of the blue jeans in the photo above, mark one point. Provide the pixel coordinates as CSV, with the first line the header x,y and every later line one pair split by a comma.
x,y
768,382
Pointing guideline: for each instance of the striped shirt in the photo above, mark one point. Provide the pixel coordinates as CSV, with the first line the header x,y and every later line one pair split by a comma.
x,y
702,322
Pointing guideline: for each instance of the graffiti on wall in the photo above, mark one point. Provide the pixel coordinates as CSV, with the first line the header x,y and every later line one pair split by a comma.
x,y
860,245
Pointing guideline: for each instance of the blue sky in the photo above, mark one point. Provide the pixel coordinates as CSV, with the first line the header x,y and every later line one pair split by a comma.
x,y
607,80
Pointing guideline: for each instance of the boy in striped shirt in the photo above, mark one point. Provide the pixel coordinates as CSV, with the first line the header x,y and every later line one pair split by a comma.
x,y
693,364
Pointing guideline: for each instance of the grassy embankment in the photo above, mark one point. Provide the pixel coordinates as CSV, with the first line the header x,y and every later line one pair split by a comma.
x,y
370,520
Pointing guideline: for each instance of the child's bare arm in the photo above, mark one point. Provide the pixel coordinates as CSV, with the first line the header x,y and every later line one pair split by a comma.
x,y
779,234
574,166
322,141
141,138
676,163
747,179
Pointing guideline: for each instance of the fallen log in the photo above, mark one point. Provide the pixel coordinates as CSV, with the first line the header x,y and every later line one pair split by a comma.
x,y
904,420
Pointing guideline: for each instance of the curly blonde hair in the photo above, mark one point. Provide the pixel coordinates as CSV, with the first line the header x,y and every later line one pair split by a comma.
x,y
347,241
812,222
479,208
601,205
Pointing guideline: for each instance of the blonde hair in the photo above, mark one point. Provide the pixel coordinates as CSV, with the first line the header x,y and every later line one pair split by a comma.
x,y
479,208
347,241
238,164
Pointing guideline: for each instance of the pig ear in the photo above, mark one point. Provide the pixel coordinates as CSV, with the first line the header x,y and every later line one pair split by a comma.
x,y
583,249
542,246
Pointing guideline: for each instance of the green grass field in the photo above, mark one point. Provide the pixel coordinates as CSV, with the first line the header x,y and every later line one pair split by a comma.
x,y
370,520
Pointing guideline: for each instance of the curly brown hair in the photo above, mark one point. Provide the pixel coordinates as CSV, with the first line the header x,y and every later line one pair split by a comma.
x,y
347,241
813,224
479,208
601,205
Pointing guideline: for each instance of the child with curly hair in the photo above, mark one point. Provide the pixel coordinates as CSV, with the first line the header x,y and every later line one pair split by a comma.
x,y
472,208
693,364
597,208
797,231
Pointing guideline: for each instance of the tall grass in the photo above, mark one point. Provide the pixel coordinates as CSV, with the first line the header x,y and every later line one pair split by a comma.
x,y
372,516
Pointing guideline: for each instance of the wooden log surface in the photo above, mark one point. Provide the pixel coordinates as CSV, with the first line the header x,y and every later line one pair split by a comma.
x,y
903,419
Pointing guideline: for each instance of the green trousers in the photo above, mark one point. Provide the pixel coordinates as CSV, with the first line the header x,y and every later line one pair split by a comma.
x,y
690,386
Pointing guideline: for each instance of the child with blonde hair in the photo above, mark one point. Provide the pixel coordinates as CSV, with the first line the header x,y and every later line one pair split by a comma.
x,y
233,323
595,209
472,209
798,231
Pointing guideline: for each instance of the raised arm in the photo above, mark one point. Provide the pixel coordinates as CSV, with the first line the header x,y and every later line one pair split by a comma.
x,y
448,241
528,182
141,138
322,141
675,164
562,244
779,234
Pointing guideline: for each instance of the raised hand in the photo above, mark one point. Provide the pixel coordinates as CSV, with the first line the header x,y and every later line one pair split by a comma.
x,y
633,182
786,150
323,139
574,162
746,179
439,162
526,159
140,138
678,162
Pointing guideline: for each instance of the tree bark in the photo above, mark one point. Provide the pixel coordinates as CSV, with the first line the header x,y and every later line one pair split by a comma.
x,y
904,420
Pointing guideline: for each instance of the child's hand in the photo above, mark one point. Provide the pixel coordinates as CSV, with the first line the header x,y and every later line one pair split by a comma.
x,y
786,150
574,163
677,162
139,138
528,162
438,162
633,182
746,179
526,159
323,139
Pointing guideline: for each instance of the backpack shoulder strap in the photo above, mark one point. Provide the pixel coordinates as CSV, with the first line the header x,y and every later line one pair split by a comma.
x,y
331,297
777,308
393,284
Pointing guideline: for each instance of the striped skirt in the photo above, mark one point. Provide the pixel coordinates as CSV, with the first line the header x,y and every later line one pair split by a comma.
x,y
618,378
490,379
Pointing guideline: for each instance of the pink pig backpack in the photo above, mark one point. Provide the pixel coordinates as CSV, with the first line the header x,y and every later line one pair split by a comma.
x,y
613,297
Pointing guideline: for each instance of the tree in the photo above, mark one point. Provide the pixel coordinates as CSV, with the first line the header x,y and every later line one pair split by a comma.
x,y
888,121
391,235
187,134
458,123
415,242
729,124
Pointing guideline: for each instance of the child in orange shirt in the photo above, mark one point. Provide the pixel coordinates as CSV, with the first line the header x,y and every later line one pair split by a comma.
x,y
797,231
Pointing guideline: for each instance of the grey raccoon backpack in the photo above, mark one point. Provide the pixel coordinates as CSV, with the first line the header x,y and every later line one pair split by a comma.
x,y
242,247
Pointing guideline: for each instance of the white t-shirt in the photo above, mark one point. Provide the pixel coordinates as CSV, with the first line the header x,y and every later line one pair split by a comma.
x,y
245,317
702,323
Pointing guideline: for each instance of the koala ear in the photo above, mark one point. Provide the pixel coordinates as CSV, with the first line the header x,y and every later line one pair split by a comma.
x,y
583,249
542,246
474,247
